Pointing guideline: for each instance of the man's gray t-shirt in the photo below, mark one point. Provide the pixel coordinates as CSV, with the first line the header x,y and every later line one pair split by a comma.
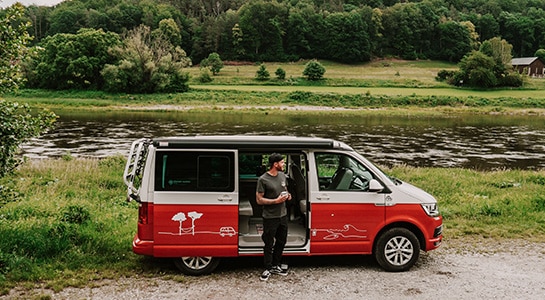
x,y
271,187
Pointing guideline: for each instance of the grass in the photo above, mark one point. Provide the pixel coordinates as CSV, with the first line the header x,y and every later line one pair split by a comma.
x,y
379,73
65,222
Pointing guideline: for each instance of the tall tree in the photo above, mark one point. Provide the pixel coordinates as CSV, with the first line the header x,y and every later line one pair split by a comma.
x,y
147,65
454,41
347,38
262,24
14,39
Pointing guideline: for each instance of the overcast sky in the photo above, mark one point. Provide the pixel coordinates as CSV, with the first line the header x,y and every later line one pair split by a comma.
x,y
6,3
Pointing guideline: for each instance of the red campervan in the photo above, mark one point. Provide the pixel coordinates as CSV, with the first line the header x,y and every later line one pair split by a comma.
x,y
197,202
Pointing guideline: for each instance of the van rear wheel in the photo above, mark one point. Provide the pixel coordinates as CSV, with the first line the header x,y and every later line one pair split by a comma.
x,y
197,265
397,250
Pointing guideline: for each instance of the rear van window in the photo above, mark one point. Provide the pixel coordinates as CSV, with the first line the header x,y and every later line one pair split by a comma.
x,y
194,171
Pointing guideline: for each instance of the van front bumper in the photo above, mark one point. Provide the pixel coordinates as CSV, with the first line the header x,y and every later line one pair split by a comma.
x,y
435,242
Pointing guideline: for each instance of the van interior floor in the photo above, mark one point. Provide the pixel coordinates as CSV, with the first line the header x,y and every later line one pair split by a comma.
x,y
250,230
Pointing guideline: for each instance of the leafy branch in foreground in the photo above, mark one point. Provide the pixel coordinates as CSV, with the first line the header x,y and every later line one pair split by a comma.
x,y
18,125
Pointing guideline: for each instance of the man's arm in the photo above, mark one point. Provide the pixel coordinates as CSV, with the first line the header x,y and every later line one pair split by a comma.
x,y
266,201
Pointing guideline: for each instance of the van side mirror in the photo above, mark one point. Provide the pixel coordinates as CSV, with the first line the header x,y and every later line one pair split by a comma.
x,y
375,186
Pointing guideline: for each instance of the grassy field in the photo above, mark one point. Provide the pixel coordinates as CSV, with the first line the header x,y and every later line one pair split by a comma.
x,y
67,223
379,73
386,84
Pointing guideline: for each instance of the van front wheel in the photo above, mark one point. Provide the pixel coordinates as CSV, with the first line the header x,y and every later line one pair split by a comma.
x,y
196,265
397,250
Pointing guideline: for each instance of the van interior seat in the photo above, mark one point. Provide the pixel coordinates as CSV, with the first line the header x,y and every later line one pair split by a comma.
x,y
341,179
300,187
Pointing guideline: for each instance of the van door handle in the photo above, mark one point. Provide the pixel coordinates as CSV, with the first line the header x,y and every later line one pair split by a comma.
x,y
323,197
225,198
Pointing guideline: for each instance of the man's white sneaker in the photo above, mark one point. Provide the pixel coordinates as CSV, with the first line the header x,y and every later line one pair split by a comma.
x,y
279,271
265,275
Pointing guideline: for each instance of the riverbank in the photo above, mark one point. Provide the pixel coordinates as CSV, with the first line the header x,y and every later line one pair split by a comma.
x,y
333,100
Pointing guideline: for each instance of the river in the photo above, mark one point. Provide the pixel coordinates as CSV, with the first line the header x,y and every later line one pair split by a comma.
x,y
482,142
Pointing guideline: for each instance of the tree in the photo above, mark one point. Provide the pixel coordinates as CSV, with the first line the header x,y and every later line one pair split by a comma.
x,y
147,65
71,61
169,30
263,26
346,38
13,46
314,70
477,70
17,123
213,62
454,41
541,54
499,49
262,74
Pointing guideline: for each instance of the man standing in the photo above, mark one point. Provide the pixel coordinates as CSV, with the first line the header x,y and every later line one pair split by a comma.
x,y
272,193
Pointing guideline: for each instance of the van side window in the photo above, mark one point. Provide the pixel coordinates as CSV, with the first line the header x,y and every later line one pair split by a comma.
x,y
340,172
194,171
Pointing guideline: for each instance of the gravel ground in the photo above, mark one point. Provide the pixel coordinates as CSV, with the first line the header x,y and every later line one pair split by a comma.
x,y
487,269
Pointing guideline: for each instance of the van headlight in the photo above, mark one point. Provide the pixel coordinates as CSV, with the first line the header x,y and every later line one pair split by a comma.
x,y
431,209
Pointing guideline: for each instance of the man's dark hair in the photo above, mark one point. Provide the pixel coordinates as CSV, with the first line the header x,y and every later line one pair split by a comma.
x,y
275,157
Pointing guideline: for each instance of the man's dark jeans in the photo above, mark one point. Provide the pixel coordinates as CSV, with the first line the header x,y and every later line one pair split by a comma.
x,y
274,229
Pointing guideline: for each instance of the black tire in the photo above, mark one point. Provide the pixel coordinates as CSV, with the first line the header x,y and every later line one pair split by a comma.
x,y
197,265
397,250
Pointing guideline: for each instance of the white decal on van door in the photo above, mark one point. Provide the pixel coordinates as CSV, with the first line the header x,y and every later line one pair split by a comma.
x,y
193,215
348,231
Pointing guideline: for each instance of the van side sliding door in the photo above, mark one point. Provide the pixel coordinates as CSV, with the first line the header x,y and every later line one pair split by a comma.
x,y
195,203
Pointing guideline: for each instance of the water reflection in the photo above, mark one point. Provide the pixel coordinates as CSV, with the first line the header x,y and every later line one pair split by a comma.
x,y
478,142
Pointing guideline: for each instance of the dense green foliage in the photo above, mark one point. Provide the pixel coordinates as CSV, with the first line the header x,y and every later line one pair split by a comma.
x,y
18,125
147,64
489,67
68,61
13,41
346,30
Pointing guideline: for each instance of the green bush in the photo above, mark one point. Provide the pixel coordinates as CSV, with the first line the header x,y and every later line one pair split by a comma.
x,y
314,70
280,74
262,74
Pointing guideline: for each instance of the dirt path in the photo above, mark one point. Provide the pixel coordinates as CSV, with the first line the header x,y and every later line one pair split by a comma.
x,y
491,270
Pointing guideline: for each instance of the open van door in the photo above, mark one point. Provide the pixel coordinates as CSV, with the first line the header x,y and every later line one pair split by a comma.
x,y
195,196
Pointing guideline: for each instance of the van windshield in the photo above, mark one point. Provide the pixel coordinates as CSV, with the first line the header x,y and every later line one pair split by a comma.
x,y
394,180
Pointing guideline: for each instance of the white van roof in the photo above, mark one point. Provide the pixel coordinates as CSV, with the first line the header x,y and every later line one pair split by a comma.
x,y
249,142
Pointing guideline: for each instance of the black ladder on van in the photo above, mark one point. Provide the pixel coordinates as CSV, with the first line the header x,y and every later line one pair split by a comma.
x,y
132,176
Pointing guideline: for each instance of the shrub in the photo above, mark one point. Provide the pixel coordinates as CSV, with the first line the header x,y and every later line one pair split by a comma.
x,y
314,70
280,74
512,79
444,75
262,74
205,76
